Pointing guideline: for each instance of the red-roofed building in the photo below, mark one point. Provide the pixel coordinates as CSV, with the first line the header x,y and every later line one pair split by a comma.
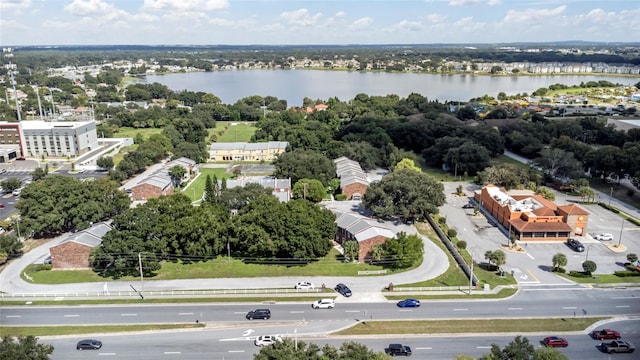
x,y
530,217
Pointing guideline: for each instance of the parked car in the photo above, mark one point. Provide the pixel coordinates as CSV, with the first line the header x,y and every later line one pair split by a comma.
x,y
323,304
604,237
605,334
408,303
1,206
468,206
343,290
2,171
16,192
398,349
304,285
575,245
264,314
554,341
47,260
265,340
89,344
617,346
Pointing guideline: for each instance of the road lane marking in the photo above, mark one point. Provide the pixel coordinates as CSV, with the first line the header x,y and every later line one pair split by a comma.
x,y
236,351
622,306
128,314
460,309
623,297
514,309
405,310
352,311
107,354
296,312
185,313
239,312
13,316
483,347
533,276
569,308
72,315
172,352
529,255
424,348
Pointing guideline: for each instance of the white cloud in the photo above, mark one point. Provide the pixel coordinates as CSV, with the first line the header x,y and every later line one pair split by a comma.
x,y
15,4
361,23
185,5
221,22
463,2
435,18
89,7
300,17
340,14
532,15
494,2
467,24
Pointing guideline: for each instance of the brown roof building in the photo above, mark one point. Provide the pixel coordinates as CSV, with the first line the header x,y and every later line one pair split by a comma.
x,y
530,217
74,252
353,180
367,232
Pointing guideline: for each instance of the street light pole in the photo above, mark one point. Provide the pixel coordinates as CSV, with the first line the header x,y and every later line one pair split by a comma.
x,y
610,195
621,229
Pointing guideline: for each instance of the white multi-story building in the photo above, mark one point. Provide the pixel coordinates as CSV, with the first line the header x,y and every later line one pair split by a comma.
x,y
58,138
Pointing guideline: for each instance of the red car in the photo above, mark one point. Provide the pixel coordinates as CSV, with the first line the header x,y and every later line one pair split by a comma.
x,y
606,334
554,341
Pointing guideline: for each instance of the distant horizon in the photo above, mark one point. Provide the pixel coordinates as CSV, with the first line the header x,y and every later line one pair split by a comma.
x,y
516,43
329,22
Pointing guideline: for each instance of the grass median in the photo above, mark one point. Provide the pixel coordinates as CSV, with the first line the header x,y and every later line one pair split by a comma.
x,y
89,329
479,326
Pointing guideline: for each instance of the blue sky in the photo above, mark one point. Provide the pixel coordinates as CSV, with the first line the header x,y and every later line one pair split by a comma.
x,y
279,22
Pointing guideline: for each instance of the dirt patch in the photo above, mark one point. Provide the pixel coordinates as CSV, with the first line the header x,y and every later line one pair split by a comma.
x,y
616,248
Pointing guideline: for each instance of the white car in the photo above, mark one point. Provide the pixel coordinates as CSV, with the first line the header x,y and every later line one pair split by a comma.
x,y
304,285
323,304
265,340
604,237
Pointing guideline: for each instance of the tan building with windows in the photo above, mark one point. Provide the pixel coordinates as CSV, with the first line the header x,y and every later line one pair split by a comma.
x,y
242,151
531,217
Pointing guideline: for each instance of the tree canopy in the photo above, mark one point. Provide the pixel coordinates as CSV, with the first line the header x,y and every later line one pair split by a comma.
x,y
24,348
406,194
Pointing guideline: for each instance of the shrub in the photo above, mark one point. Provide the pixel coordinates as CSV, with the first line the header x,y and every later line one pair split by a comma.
x,y
341,197
631,257
452,233
559,270
442,220
627,273
579,274
589,267
461,244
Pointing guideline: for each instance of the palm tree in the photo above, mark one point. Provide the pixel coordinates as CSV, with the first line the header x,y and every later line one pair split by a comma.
x,y
559,261
376,254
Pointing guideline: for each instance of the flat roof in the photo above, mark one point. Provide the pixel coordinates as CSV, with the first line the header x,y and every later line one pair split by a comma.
x,y
39,124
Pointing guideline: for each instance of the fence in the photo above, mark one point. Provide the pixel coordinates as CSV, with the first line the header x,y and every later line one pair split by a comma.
x,y
220,292
372,272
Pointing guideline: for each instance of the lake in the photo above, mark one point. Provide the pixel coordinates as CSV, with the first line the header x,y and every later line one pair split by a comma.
x,y
294,85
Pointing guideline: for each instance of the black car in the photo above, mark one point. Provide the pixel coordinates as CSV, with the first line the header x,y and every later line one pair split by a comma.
x,y
259,314
468,206
343,290
398,349
89,344
575,245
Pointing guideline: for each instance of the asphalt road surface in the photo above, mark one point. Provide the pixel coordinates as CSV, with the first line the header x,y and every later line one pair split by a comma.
x,y
539,302
236,344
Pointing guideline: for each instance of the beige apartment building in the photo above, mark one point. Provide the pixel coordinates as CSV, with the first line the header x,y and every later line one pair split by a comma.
x,y
242,151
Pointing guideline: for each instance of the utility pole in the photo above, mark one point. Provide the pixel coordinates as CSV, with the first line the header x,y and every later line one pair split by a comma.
x,y
471,277
621,229
141,276
610,195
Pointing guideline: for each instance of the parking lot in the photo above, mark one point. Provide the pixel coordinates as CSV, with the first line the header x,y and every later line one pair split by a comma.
x,y
533,265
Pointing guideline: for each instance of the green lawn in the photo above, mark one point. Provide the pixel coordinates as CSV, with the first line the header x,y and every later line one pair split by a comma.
x,y
470,326
196,188
222,267
129,132
226,132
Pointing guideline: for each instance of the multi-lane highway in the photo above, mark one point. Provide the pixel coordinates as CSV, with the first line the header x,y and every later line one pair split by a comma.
x,y
537,302
237,343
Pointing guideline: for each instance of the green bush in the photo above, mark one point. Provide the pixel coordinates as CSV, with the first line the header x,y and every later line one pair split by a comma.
x,y
442,220
627,273
341,197
461,244
634,221
579,274
559,270
452,233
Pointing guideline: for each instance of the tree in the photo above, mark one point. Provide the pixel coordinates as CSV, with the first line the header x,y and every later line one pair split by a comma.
x,y
10,247
288,349
11,184
558,163
403,250
304,164
586,193
589,266
177,172
559,261
518,349
546,193
549,353
376,254
105,162
632,258
24,348
309,189
406,194
496,257
38,174
407,164
351,249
